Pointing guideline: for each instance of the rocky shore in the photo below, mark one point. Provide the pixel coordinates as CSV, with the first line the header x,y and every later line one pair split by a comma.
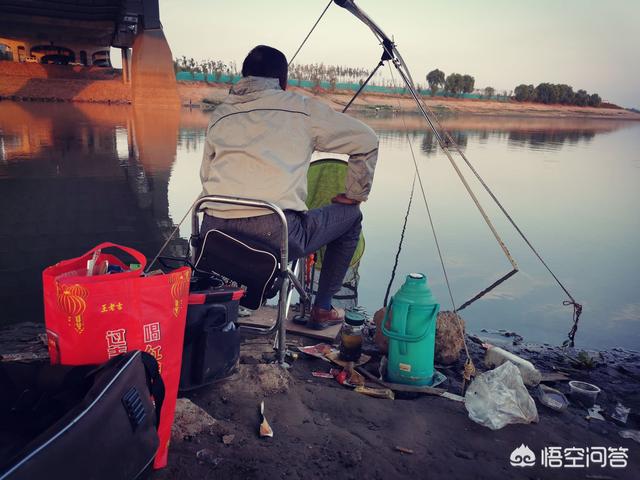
x,y
324,430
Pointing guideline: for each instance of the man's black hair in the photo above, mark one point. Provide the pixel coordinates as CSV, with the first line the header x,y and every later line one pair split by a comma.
x,y
264,61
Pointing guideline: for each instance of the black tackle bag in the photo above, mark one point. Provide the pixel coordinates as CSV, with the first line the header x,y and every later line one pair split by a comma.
x,y
79,422
211,339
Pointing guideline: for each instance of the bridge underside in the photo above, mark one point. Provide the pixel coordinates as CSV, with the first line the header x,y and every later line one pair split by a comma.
x,y
82,32
59,31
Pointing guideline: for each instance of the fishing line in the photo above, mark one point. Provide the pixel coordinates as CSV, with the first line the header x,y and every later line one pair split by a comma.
x,y
175,230
310,32
469,367
392,53
426,202
436,127
404,227
577,308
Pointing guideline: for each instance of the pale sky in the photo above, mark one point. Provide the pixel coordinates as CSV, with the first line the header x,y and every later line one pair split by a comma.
x,y
587,44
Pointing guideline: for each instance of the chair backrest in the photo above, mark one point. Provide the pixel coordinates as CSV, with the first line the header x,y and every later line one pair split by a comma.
x,y
245,261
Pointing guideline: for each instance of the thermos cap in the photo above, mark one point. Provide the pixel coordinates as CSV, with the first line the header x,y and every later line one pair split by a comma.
x,y
415,291
354,318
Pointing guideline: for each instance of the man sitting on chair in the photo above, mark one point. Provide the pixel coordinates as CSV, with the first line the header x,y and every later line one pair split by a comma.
x,y
259,144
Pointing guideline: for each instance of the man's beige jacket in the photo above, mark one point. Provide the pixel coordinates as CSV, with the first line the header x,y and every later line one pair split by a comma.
x,y
259,144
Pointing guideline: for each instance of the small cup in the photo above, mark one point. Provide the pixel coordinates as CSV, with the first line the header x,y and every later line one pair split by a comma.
x,y
584,392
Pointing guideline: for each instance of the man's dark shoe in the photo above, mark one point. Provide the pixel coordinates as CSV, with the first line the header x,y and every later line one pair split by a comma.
x,y
321,318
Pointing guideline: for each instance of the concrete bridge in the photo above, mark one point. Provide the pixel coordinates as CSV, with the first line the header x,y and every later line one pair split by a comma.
x,y
82,32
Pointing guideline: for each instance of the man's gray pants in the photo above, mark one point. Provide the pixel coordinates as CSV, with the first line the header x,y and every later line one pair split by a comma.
x,y
337,226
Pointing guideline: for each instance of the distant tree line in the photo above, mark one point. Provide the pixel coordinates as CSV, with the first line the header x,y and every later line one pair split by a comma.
x,y
333,74
456,84
318,73
215,68
556,93
453,84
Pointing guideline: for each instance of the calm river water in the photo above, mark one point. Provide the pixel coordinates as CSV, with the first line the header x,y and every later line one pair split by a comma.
x,y
72,176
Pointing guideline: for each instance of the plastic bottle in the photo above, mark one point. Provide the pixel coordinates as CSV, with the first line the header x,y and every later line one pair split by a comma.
x,y
496,356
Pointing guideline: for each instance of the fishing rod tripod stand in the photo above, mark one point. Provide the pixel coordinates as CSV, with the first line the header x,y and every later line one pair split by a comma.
x,y
446,142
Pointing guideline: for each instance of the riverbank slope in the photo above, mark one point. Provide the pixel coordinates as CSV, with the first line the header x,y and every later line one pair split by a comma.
x,y
193,93
55,83
325,430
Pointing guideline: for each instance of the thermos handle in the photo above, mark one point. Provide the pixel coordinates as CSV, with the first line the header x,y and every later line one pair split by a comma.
x,y
405,338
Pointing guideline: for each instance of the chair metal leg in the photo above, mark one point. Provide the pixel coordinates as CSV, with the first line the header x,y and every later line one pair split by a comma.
x,y
286,275
295,281
283,308
284,302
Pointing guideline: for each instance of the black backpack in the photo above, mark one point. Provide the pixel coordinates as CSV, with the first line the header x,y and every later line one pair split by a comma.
x,y
84,422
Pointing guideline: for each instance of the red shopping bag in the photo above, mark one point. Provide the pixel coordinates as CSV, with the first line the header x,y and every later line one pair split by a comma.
x,y
90,319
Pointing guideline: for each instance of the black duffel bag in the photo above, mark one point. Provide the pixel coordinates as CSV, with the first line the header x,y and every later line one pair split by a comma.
x,y
84,422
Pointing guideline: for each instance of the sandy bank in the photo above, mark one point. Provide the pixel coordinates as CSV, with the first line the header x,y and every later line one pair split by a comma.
x,y
55,83
324,430
196,93
34,82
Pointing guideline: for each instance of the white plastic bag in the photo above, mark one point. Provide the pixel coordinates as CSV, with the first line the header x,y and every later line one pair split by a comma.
x,y
498,397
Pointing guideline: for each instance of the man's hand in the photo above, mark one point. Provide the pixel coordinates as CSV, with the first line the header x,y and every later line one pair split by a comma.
x,y
342,198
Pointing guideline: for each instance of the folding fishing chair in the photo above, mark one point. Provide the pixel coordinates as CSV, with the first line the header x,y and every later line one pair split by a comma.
x,y
264,271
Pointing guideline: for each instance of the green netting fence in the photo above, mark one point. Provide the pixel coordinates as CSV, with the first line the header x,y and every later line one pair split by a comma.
x,y
230,79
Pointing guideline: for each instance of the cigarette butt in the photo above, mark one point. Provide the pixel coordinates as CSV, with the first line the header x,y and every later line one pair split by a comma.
x,y
404,450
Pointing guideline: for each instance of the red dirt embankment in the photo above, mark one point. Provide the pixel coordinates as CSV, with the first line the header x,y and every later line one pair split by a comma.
x,y
29,81
32,81
196,93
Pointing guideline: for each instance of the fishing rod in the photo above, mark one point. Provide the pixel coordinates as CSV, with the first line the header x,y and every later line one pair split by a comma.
x,y
445,140
391,53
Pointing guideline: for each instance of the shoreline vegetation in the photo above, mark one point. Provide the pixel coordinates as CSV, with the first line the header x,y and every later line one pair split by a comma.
x,y
54,83
196,94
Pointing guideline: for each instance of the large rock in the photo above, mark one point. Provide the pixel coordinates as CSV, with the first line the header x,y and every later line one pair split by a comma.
x,y
380,340
449,337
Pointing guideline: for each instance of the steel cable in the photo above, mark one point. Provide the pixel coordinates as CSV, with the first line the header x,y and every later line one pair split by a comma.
x,y
469,367
310,32
426,202
437,129
577,308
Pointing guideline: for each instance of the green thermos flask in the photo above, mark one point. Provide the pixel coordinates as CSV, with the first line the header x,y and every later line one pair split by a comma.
x,y
412,332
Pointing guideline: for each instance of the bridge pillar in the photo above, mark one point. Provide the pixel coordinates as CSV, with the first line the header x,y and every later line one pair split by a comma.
x,y
126,66
153,80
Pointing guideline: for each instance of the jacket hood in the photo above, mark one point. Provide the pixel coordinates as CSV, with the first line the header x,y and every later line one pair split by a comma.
x,y
251,88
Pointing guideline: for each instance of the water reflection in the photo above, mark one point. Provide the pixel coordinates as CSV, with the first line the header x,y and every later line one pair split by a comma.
x,y
72,176
548,140
75,176
429,143
533,139
570,184
532,133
